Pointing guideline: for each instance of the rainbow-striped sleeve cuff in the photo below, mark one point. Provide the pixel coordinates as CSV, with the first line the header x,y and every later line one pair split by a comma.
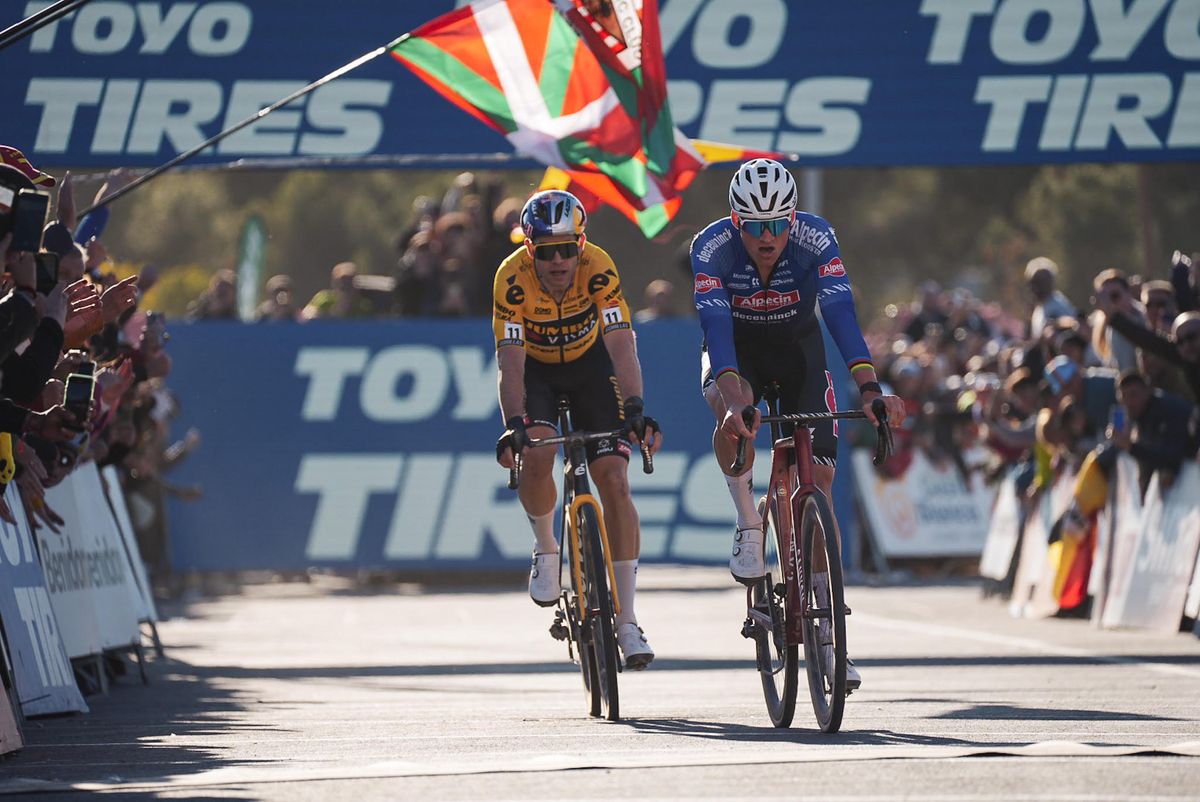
x,y
860,364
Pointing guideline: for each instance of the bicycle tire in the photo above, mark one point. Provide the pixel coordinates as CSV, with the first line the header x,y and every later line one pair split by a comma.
x,y
826,684
600,628
781,682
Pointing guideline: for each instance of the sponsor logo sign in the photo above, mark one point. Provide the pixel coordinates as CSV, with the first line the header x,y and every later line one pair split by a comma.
x,y
136,83
832,268
766,300
389,456
706,283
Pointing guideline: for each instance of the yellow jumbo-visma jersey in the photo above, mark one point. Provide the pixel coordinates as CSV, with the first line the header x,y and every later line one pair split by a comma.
x,y
525,314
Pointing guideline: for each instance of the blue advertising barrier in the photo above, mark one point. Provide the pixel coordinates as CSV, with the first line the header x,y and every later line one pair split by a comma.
x,y
889,82
44,680
373,444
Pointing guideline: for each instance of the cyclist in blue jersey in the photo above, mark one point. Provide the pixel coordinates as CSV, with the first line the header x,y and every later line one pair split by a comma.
x,y
760,275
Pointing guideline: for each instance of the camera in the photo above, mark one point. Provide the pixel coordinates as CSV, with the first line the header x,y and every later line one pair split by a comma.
x,y
23,212
80,387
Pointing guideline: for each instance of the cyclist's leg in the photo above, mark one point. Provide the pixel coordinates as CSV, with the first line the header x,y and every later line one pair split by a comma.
x,y
537,490
815,394
597,406
746,561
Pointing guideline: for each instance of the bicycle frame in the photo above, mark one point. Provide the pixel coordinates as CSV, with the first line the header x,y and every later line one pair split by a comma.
x,y
577,492
791,457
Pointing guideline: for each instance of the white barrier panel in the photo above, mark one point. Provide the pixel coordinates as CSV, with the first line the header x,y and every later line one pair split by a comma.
x,y
927,512
116,500
1126,503
1191,607
10,733
1033,589
1154,581
1003,532
42,675
91,585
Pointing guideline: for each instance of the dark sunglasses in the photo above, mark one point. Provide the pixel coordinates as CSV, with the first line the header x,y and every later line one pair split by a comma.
x,y
546,253
755,228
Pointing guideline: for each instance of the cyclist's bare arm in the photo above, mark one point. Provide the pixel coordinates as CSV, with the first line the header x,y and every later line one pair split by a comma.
x,y
510,363
622,349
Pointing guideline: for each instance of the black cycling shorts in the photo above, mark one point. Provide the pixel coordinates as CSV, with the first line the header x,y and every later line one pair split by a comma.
x,y
591,385
804,383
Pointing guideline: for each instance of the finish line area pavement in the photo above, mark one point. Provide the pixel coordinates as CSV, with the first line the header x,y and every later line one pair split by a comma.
x,y
295,691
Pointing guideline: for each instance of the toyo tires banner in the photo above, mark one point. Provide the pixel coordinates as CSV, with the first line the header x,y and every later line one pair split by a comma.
x,y
866,83
373,444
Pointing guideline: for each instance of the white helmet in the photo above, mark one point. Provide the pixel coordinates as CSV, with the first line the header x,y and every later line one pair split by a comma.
x,y
762,189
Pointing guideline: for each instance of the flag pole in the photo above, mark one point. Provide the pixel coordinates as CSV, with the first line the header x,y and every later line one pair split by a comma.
x,y
47,15
299,93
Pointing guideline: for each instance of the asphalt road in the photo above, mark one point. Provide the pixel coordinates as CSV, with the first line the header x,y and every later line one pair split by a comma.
x,y
322,691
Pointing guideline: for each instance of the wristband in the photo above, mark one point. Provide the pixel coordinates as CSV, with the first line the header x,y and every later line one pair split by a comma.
x,y
634,405
870,387
515,421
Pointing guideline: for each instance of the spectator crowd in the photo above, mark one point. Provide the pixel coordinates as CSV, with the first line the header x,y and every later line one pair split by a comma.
x,y
84,367
1065,390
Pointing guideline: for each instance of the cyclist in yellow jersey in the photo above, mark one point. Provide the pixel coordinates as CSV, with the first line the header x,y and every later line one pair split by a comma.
x,y
562,327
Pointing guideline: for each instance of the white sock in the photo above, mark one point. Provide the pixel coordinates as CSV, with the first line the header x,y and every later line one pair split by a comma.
x,y
743,500
543,531
625,572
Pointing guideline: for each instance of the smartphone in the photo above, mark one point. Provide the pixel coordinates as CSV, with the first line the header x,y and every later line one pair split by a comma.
x,y
47,272
28,218
77,395
1118,418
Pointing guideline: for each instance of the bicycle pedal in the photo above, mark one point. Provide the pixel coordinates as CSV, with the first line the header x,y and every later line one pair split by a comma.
x,y
748,628
847,610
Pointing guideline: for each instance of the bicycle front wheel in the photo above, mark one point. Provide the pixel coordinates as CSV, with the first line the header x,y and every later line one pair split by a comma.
x,y
824,612
778,660
599,628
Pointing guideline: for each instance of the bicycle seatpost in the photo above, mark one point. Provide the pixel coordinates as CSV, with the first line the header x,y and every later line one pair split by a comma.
x,y
739,462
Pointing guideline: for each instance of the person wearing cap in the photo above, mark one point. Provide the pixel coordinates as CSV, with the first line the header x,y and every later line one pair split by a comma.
x,y
563,327
1095,388
1115,351
1041,273
760,275
16,159
278,305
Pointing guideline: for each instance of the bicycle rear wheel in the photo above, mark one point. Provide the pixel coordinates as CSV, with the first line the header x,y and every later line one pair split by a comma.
x,y
598,628
778,661
824,614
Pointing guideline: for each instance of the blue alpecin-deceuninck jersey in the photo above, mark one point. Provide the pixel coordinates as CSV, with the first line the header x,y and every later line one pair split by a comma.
x,y
735,307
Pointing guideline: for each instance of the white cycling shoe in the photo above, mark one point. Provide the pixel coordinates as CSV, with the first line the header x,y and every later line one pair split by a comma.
x,y
853,678
634,648
544,586
746,564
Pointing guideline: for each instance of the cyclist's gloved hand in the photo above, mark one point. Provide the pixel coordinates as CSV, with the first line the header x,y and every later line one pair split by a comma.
x,y
515,437
636,422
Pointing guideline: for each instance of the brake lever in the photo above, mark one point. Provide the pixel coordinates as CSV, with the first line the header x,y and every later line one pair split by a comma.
x,y
514,473
884,445
739,461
